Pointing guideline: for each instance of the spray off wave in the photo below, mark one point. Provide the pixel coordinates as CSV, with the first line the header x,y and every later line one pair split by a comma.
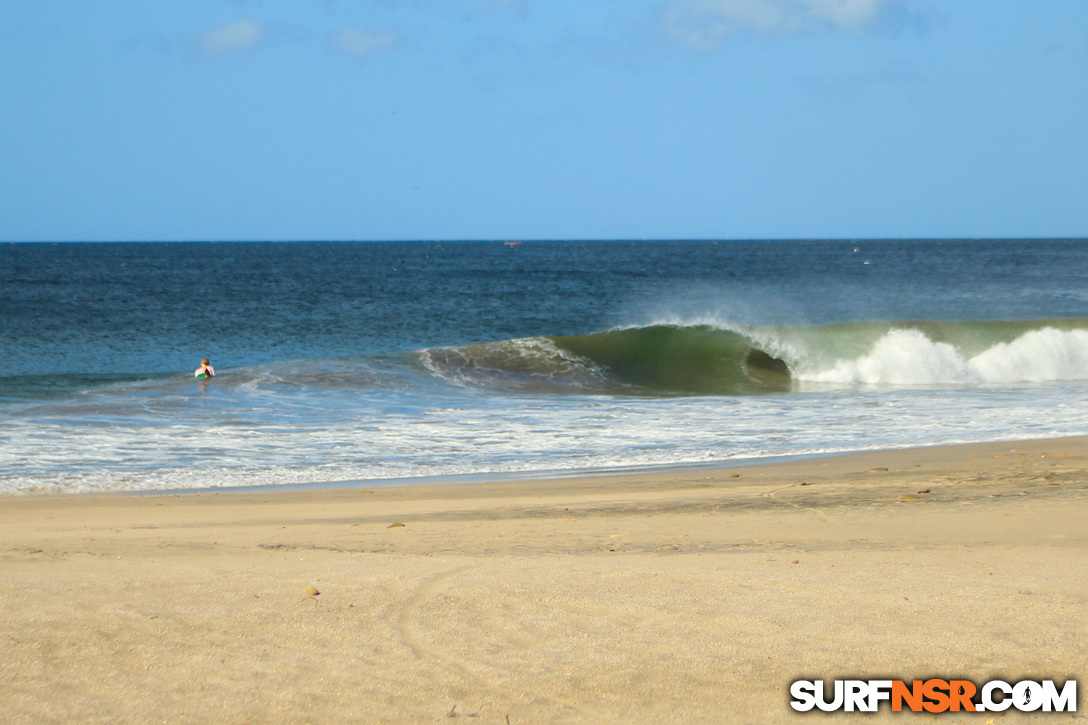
x,y
670,359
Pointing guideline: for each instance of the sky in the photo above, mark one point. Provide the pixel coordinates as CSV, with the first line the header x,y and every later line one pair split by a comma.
x,y
542,119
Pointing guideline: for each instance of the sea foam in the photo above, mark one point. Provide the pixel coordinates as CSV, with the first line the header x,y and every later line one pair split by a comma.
x,y
909,357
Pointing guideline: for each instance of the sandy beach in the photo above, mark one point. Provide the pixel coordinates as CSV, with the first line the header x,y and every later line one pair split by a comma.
x,y
675,597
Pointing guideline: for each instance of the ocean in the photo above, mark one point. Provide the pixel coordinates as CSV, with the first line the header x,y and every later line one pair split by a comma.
x,y
456,361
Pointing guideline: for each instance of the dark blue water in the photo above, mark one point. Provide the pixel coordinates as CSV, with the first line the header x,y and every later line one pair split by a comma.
x,y
142,308
373,360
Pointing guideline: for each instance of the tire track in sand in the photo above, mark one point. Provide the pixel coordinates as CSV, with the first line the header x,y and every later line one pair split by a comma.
x,y
405,619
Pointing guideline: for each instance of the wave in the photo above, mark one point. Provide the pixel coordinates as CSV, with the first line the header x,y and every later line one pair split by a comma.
x,y
704,359
533,364
658,360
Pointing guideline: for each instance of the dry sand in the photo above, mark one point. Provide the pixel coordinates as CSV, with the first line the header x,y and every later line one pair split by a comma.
x,y
680,597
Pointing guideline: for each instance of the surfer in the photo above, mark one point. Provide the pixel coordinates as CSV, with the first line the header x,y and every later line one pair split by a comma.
x,y
205,370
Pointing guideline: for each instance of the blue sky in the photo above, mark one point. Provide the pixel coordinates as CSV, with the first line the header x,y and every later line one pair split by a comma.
x,y
533,119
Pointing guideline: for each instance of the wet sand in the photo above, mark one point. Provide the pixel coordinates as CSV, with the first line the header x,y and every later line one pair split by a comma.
x,y
671,597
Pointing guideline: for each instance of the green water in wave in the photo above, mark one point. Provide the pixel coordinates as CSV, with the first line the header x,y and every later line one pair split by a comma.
x,y
683,360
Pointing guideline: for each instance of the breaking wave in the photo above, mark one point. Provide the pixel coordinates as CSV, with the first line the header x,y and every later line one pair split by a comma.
x,y
668,359
653,360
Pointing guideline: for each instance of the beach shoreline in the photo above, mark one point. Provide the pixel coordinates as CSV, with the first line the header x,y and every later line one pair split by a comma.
x,y
550,477
672,595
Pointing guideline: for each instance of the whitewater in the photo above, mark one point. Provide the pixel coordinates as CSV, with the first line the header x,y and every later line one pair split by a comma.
x,y
368,364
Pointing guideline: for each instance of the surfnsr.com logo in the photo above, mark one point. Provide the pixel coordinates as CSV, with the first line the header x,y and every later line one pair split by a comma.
x,y
934,695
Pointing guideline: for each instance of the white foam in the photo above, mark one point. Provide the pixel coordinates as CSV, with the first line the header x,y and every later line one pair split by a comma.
x,y
908,357
901,357
1037,356
377,436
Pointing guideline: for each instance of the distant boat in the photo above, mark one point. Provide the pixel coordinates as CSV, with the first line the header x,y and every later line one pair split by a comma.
x,y
512,244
